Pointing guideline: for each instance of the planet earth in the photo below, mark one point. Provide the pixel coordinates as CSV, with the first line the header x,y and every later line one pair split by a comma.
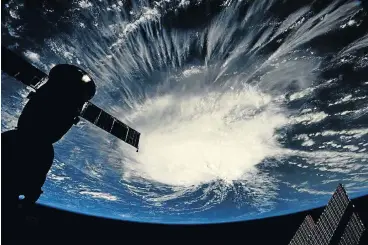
x,y
246,109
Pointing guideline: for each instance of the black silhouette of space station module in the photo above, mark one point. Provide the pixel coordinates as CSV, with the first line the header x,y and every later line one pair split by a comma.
x,y
53,108
66,84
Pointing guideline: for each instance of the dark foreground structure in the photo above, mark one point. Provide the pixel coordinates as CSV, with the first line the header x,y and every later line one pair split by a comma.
x,y
339,224
57,102
45,225
17,67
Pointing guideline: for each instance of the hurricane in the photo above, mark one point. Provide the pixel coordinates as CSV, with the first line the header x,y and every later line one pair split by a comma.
x,y
246,109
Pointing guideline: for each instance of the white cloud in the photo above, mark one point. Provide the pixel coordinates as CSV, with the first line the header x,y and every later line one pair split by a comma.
x,y
32,56
85,4
100,195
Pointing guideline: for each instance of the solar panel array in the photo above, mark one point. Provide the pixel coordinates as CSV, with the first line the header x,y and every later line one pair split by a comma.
x,y
330,218
20,69
110,124
304,232
338,224
353,231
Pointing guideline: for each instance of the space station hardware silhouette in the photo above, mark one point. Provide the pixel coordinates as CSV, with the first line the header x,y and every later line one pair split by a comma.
x,y
337,225
55,105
